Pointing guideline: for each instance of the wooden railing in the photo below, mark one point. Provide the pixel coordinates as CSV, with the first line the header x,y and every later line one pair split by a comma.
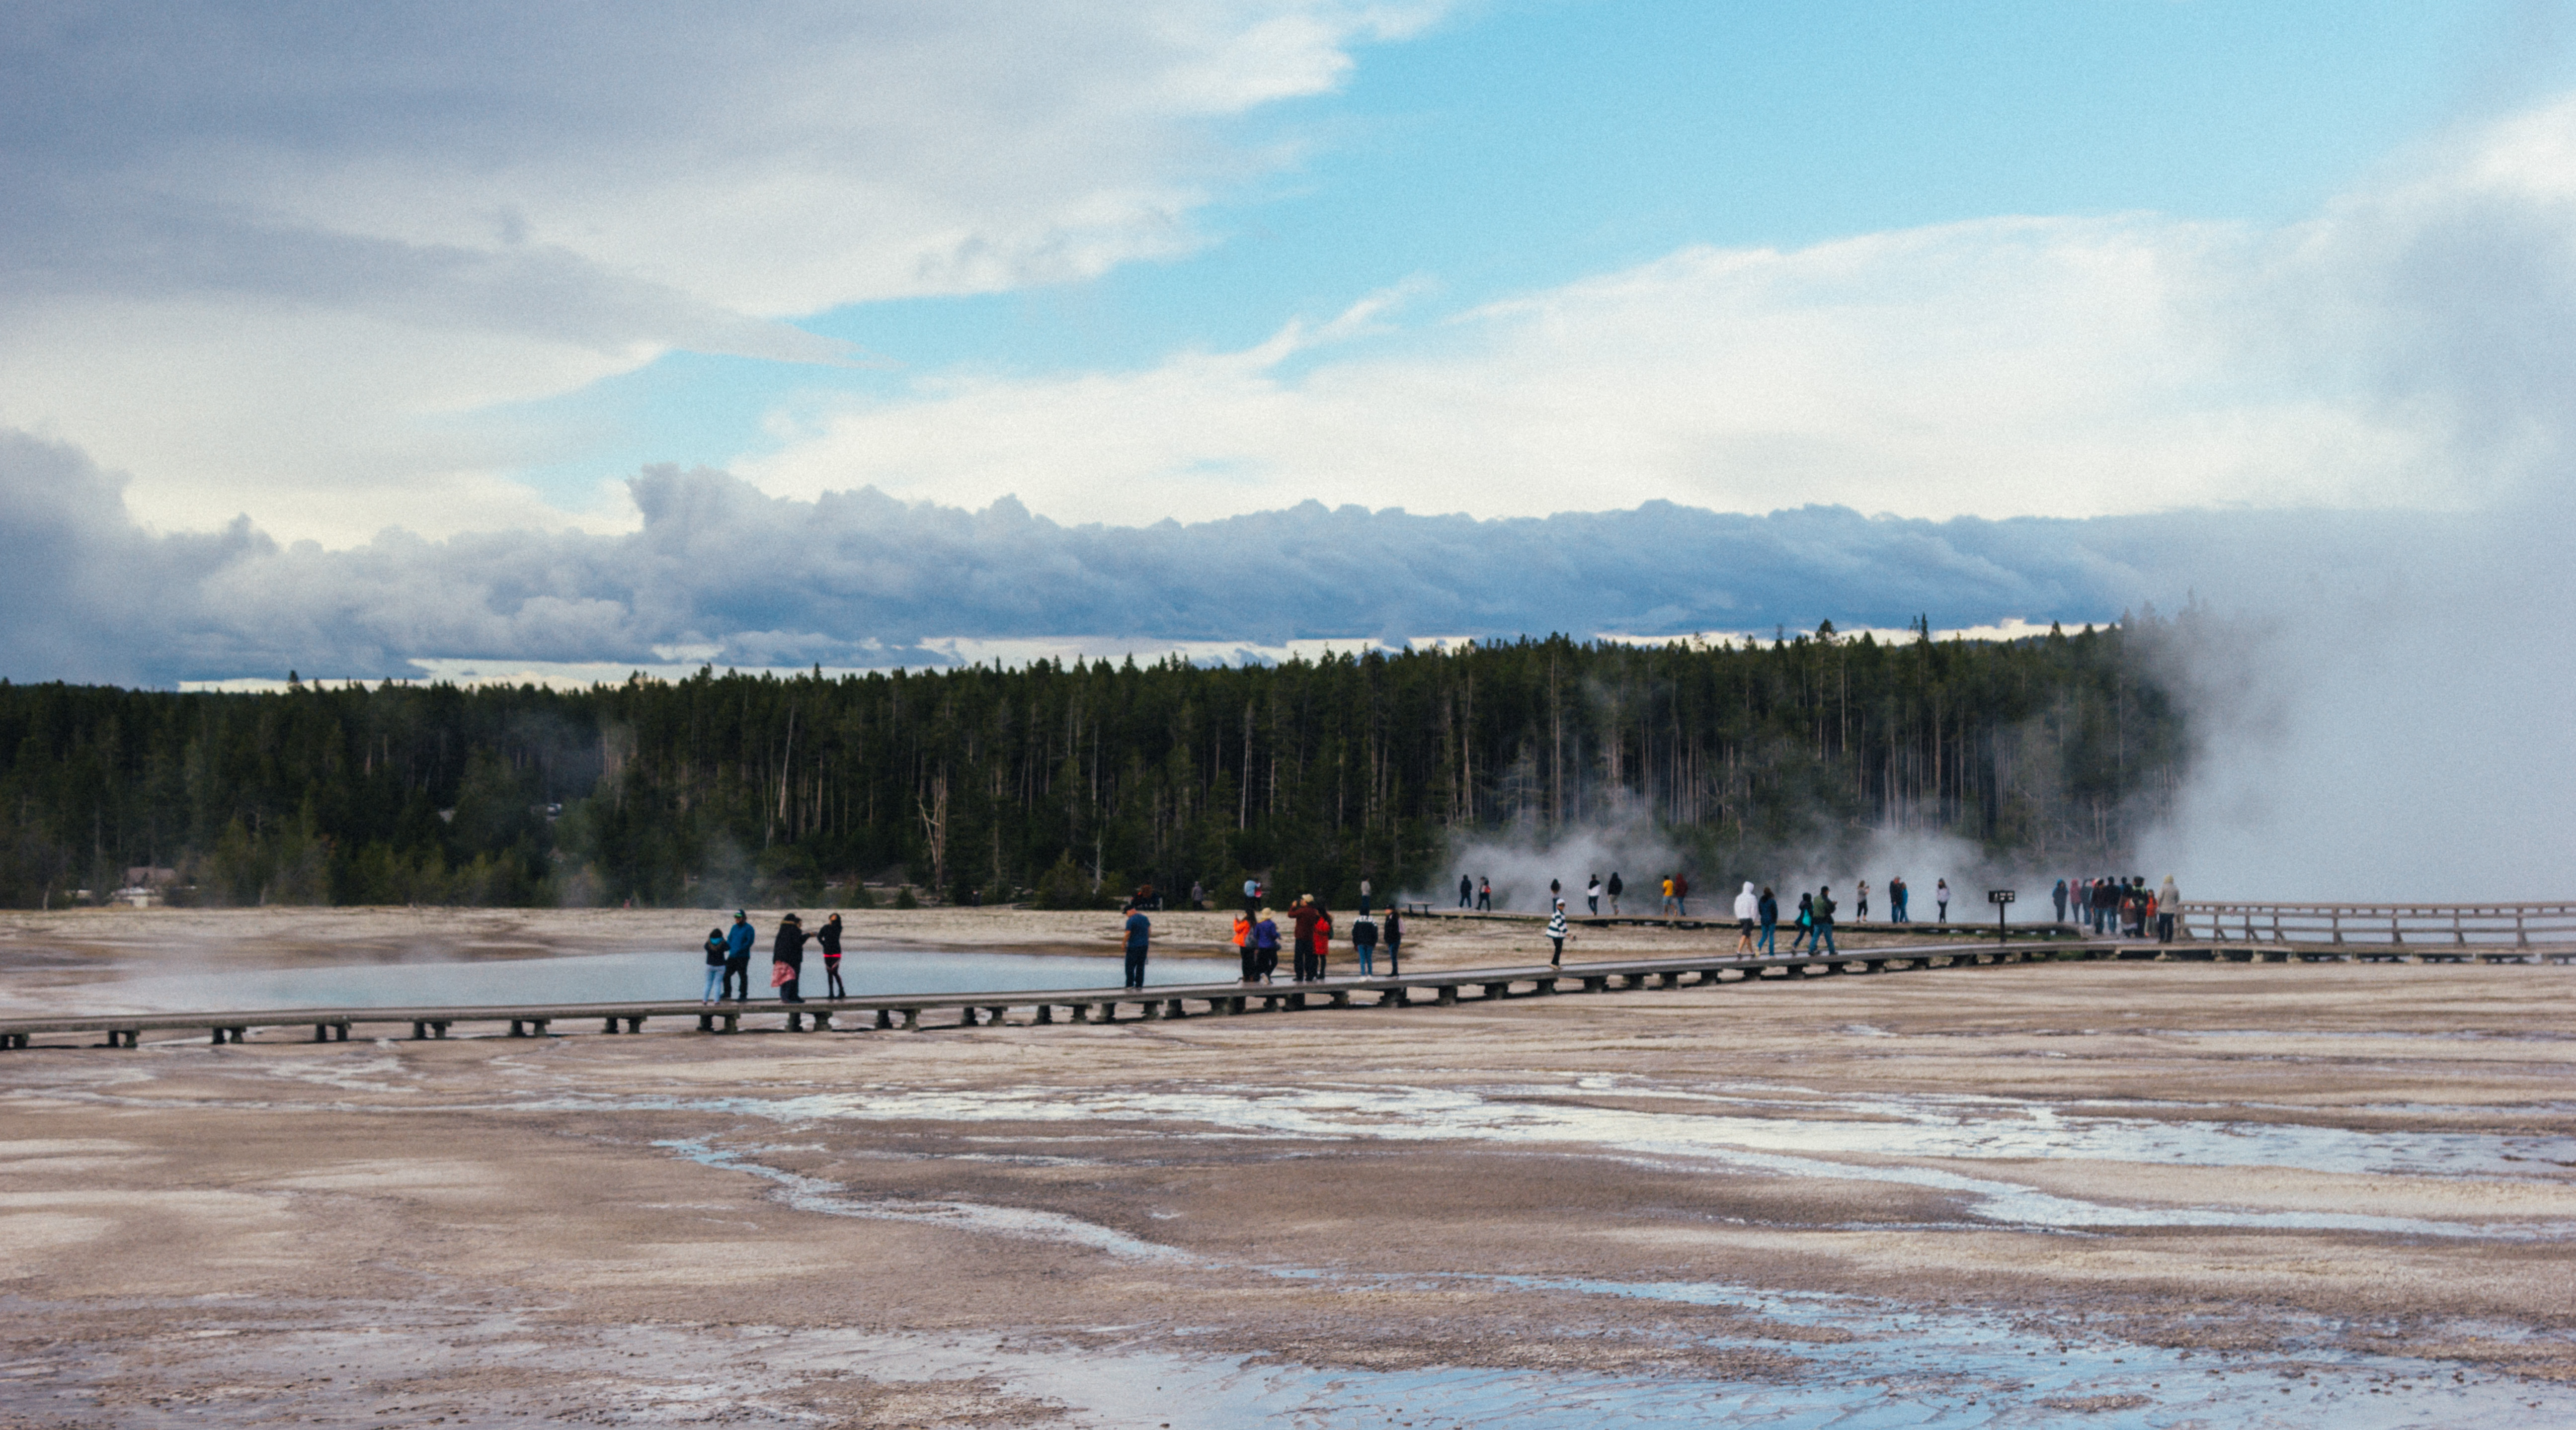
x,y
2411,926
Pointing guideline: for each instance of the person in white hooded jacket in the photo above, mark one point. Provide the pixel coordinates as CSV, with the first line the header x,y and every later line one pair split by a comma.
x,y
1748,907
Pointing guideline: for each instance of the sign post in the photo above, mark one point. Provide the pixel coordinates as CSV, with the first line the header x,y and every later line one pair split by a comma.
x,y
2002,900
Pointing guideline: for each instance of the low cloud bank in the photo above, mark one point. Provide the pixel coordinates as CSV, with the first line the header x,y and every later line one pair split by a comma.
x,y
722,572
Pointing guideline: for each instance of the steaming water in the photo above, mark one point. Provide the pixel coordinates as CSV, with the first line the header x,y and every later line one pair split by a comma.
x,y
604,977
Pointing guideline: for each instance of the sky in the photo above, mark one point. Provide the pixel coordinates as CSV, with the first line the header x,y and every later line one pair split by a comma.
x,y
363,337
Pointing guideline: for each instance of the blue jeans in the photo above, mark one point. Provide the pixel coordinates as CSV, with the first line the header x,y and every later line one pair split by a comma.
x,y
1135,967
1801,940
715,983
1368,958
1825,939
1764,943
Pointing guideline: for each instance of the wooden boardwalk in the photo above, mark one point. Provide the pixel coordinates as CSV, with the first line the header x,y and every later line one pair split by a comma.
x,y
1445,988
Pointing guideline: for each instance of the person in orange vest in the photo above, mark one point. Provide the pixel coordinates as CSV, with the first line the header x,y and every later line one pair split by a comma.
x,y
1243,946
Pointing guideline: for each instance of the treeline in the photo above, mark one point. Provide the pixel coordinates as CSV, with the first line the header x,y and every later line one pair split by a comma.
x,y
1079,779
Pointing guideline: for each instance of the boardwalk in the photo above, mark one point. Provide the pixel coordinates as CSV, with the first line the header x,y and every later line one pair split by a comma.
x,y
1448,987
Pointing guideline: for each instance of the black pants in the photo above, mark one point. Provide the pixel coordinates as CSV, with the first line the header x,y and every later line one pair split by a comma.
x,y
737,980
787,991
832,971
1394,952
1251,962
1305,962
1484,903
1557,957
1135,968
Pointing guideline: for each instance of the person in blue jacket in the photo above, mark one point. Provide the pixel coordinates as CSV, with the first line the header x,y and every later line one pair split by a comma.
x,y
1139,930
737,968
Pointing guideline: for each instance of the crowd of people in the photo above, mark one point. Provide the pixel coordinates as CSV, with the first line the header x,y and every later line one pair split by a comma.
x,y
2106,905
2117,906
1257,938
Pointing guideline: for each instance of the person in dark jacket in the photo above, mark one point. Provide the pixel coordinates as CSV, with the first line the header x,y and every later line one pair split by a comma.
x,y
1466,892
1305,915
1484,896
1394,932
1364,944
1824,922
788,951
1770,907
1614,889
1806,921
738,941
829,936
716,950
2059,894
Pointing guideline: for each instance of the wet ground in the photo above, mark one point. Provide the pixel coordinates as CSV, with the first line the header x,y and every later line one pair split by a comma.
x,y
2119,1195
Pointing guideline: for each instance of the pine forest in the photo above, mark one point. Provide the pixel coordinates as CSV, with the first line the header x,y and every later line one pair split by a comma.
x,y
1071,783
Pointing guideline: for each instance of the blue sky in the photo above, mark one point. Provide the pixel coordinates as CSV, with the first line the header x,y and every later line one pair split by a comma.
x,y
1517,146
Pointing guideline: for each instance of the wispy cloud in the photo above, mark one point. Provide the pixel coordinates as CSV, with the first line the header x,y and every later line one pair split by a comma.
x,y
255,254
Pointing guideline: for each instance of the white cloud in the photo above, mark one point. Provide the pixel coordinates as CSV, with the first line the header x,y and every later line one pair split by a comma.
x,y
249,248
2398,348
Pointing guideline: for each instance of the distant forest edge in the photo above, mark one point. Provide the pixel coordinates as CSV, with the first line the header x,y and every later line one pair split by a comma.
x,y
1075,782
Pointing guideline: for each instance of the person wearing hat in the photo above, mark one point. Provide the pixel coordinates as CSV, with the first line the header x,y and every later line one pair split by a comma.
x,y
737,968
829,936
1265,946
787,959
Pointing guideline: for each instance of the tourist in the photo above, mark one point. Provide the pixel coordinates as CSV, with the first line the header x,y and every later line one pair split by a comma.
x,y
1665,910
2058,895
1323,936
1394,941
1896,892
1198,896
717,950
787,959
2168,908
1139,929
1556,934
1251,897
1265,946
829,936
1614,889
1770,914
1860,902
1592,896
1941,899
1466,892
1364,945
1806,921
1681,895
738,942
1748,907
1243,946
1364,900
1824,922
1304,914
1484,895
